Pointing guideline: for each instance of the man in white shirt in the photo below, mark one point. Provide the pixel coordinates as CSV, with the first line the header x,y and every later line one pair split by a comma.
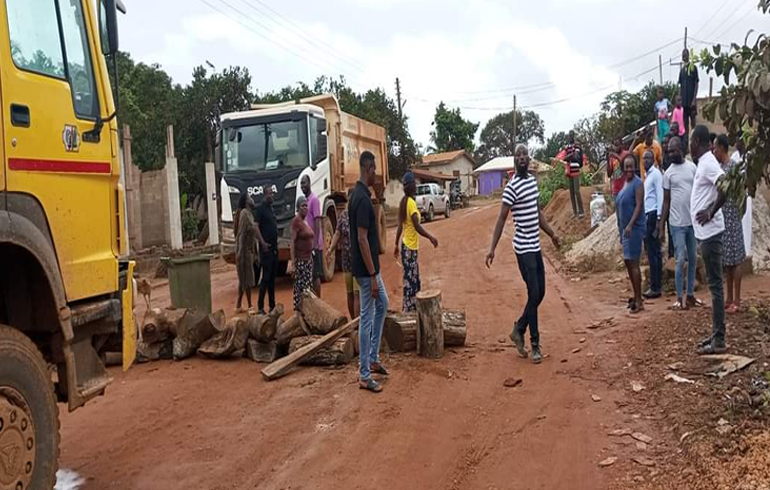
x,y
677,191
653,210
709,225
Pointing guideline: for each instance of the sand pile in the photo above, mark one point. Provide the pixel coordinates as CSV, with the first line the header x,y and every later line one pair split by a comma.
x,y
558,212
605,240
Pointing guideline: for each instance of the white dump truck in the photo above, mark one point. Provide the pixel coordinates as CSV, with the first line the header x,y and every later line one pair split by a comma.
x,y
277,144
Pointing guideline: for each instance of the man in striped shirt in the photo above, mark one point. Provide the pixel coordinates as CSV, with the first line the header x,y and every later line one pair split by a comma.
x,y
520,199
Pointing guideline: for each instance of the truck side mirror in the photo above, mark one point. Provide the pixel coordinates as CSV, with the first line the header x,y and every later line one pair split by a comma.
x,y
108,26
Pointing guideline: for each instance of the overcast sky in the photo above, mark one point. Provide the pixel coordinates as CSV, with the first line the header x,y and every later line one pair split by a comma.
x,y
471,54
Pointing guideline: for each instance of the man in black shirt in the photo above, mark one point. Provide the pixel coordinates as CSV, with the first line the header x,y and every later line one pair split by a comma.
x,y
365,257
688,86
267,235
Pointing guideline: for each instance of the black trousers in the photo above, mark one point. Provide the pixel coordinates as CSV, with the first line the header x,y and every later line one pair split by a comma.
x,y
269,261
533,272
652,243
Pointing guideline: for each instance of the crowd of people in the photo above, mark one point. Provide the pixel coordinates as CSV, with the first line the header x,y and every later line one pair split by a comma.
x,y
666,188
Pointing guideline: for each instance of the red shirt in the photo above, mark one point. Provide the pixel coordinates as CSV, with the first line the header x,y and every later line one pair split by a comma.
x,y
618,181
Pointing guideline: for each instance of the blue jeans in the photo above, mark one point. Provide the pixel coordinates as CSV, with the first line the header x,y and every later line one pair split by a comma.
x,y
373,311
684,250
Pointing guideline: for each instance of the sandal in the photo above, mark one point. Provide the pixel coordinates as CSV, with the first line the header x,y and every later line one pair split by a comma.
x,y
692,301
731,308
370,385
379,369
678,306
711,348
637,308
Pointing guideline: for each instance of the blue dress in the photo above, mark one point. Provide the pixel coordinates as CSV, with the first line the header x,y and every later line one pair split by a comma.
x,y
626,204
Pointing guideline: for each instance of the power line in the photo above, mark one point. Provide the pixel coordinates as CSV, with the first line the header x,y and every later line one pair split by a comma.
x,y
712,17
280,19
738,21
734,11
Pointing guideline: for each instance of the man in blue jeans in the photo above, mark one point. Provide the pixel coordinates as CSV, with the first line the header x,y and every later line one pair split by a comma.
x,y
365,259
709,224
653,210
677,189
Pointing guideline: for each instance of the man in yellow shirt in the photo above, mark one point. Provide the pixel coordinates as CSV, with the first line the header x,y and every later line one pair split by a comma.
x,y
649,143
409,224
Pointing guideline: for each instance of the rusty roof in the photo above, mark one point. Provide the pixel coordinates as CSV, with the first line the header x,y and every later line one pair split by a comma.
x,y
437,159
428,175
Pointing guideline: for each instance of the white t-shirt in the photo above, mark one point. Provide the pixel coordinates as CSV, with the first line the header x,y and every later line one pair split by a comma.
x,y
678,179
704,194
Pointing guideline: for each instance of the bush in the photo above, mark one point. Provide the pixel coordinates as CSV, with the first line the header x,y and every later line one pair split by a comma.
x,y
556,179
189,225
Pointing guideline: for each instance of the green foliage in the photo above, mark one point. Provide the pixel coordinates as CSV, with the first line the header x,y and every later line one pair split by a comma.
x,y
496,137
553,145
452,132
189,224
743,107
372,105
549,183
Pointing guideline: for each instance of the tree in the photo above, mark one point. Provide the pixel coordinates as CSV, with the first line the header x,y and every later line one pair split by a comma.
x,y
148,104
553,145
452,132
743,107
496,137
202,102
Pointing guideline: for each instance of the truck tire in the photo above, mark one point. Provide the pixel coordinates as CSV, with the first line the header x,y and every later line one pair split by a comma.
x,y
329,258
29,418
382,232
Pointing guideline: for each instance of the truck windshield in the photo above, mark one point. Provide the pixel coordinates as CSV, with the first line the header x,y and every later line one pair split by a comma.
x,y
423,190
266,147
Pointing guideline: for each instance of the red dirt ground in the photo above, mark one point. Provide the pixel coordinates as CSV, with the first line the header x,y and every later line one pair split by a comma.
x,y
202,424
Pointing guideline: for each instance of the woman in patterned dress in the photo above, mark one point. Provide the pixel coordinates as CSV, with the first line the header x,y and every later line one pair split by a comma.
x,y
735,249
245,247
301,252
409,224
341,241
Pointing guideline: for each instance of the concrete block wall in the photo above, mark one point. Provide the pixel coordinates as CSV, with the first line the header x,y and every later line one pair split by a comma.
x,y
154,205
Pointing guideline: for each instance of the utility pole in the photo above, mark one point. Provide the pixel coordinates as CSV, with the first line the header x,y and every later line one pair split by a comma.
x,y
401,122
685,38
660,68
514,125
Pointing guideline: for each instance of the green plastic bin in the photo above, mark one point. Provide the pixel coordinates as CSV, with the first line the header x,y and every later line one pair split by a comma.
x,y
189,280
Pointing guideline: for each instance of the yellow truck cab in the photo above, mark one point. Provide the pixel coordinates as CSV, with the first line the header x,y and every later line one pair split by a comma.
x,y
66,293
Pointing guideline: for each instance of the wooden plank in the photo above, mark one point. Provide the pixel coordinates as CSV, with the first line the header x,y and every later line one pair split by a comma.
x,y
282,366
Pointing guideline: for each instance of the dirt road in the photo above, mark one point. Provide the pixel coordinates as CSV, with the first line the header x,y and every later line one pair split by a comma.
x,y
201,424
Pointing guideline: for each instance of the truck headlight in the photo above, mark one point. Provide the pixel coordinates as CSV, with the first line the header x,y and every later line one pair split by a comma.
x,y
233,190
291,185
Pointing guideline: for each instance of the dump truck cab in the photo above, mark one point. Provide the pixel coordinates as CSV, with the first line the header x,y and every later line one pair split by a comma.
x,y
66,289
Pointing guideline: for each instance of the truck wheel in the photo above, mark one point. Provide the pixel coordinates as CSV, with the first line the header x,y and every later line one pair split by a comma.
x,y
329,258
382,232
447,210
430,213
29,418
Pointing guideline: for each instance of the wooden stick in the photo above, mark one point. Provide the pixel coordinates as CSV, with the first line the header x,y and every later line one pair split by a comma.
x,y
282,366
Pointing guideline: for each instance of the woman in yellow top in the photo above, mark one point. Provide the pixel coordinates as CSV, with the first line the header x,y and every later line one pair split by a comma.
x,y
409,223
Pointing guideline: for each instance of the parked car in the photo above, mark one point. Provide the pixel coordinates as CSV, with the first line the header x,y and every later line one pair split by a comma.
x,y
431,199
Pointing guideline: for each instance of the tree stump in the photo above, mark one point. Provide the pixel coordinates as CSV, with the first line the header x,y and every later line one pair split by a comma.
x,y
455,328
340,352
400,330
319,316
263,327
430,331
263,352
291,328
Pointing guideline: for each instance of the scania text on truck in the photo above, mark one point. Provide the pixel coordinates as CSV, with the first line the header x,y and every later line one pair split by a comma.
x,y
66,291
276,145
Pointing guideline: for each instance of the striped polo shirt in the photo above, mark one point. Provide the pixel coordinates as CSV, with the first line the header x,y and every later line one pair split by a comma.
x,y
522,195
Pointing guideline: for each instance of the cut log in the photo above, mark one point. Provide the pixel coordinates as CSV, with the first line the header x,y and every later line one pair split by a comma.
x,y
455,328
430,332
227,342
319,316
146,352
282,366
291,328
263,352
264,327
194,329
384,347
340,352
160,324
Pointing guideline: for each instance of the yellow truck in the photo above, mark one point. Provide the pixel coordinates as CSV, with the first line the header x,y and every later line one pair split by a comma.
x,y
66,293
276,145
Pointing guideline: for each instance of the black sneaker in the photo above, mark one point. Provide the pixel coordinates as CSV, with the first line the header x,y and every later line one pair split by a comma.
x,y
713,348
650,294
537,356
518,341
